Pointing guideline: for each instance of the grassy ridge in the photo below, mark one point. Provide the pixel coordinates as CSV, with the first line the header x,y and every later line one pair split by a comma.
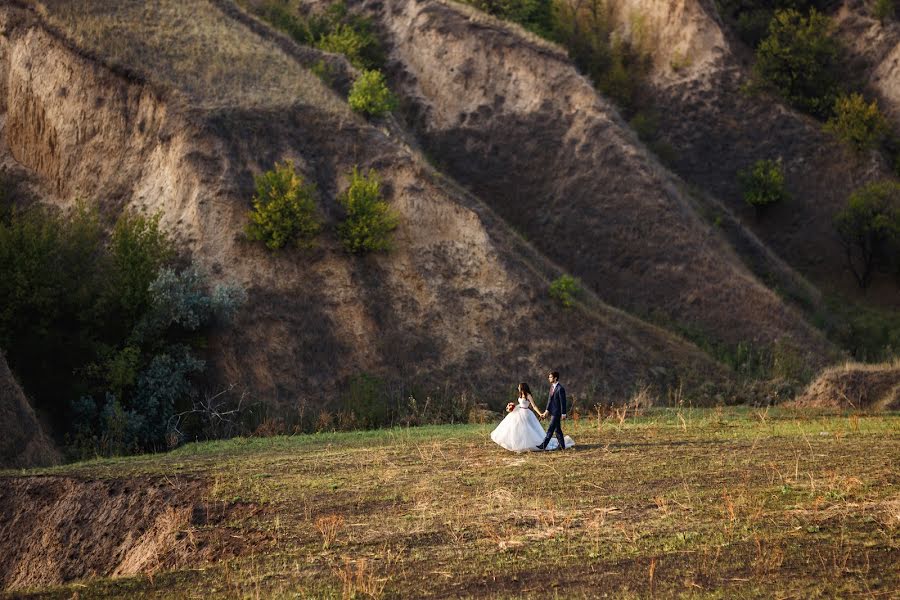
x,y
694,503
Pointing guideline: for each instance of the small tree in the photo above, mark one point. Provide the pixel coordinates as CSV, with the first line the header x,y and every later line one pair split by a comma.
x,y
564,289
799,60
869,228
284,209
369,221
370,95
763,185
857,123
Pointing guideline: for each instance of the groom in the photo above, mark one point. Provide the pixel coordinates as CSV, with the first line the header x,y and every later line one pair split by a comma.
x,y
556,408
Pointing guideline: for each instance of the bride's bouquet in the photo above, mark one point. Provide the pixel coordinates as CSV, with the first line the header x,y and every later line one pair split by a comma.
x,y
510,406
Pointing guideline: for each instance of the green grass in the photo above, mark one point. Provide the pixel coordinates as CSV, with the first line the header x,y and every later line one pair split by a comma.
x,y
717,503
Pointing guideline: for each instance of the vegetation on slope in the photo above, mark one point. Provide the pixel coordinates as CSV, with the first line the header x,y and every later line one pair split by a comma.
x,y
103,331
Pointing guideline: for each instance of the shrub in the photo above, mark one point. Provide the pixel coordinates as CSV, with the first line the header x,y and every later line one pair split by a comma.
x,y
369,220
763,184
138,248
751,18
334,30
534,15
885,10
564,288
84,319
615,66
284,209
858,124
366,400
799,60
869,228
370,94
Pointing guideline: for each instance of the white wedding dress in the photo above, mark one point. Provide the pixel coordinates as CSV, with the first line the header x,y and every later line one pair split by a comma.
x,y
520,431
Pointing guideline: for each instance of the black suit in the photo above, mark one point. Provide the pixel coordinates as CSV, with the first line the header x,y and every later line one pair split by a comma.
x,y
556,406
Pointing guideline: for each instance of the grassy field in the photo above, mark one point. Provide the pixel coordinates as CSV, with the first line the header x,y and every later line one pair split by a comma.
x,y
723,503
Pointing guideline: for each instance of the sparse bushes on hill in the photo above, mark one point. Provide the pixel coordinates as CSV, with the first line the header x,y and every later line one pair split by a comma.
x,y
564,289
763,185
370,95
869,228
284,209
857,123
369,221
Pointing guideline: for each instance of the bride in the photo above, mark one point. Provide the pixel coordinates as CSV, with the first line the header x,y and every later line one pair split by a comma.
x,y
520,430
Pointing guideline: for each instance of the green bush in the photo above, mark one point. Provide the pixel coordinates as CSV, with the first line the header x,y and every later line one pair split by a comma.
x,y
885,10
564,289
751,18
370,94
83,317
762,185
534,15
284,209
799,61
347,41
334,30
869,228
858,124
369,221
617,68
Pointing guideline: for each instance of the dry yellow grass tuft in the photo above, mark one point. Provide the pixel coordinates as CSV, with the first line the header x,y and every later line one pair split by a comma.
x,y
856,386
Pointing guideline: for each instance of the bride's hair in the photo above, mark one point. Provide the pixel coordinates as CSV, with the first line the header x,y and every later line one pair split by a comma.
x,y
524,389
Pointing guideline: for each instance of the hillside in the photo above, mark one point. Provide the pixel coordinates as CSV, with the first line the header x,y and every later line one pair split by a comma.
x,y
702,503
24,443
510,117
461,300
717,128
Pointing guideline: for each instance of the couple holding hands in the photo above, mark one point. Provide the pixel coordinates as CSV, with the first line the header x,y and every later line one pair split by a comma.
x,y
520,430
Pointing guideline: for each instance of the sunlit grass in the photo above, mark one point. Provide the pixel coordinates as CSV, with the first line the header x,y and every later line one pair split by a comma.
x,y
733,502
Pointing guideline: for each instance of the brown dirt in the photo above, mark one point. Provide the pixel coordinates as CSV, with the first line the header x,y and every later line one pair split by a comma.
x,y
855,386
59,529
23,442
461,298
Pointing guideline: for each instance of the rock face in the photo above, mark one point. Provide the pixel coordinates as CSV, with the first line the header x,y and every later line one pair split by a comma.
x,y
461,301
23,442
856,387
510,117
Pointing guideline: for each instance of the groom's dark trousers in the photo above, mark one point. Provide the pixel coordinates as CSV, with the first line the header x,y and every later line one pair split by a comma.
x,y
555,427
556,406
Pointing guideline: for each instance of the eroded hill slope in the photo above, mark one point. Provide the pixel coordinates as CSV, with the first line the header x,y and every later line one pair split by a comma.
x,y
460,301
510,117
717,128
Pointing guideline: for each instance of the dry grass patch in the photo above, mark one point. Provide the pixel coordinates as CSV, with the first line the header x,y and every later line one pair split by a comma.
x,y
191,46
855,386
